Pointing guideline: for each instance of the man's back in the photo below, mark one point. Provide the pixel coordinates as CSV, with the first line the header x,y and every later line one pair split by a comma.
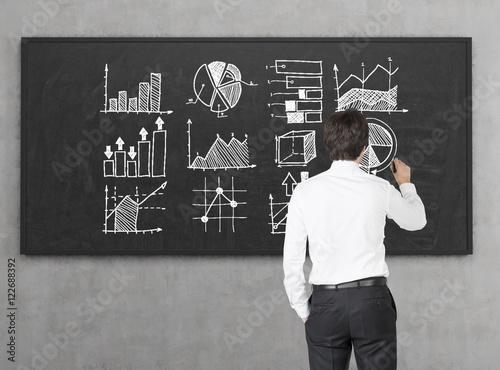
x,y
343,211
341,214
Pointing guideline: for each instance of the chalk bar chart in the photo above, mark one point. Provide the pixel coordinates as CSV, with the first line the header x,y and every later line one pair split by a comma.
x,y
148,101
150,159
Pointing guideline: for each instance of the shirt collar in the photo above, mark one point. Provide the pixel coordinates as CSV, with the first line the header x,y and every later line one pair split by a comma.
x,y
344,166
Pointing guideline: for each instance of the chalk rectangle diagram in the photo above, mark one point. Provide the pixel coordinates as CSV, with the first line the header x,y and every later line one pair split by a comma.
x,y
132,104
298,67
295,148
131,169
301,88
144,158
122,101
159,153
113,106
109,168
120,163
155,92
302,82
143,97
150,159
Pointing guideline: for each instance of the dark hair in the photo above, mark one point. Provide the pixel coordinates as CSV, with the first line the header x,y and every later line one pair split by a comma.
x,y
345,134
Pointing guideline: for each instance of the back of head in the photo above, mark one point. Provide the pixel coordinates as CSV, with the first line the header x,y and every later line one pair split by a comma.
x,y
345,134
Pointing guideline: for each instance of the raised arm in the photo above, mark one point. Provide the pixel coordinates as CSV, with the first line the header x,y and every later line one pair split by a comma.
x,y
405,208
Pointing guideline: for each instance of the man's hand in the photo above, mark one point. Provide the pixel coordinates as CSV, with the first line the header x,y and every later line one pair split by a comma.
x,y
402,173
305,319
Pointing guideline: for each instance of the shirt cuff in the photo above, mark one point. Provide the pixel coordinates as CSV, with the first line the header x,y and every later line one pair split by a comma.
x,y
407,188
303,311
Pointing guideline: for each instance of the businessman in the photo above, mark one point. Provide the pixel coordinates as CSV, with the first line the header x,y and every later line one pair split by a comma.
x,y
341,214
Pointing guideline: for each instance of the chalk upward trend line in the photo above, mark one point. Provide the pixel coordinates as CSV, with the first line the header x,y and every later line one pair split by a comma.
x,y
368,99
363,80
126,214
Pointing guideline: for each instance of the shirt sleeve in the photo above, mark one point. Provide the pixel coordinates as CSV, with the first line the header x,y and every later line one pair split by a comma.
x,y
406,208
294,254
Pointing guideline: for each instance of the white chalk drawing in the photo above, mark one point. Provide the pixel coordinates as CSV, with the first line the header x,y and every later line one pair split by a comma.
x,y
382,147
149,100
123,215
219,204
150,159
218,85
279,210
301,90
221,155
295,148
368,100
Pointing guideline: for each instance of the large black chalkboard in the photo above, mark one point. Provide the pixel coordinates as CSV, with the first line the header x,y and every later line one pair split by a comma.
x,y
194,146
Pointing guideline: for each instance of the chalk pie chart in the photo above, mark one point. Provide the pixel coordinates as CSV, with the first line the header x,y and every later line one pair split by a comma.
x,y
218,85
382,146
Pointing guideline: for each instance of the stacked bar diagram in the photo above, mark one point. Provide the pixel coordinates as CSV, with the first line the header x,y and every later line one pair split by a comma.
x,y
300,91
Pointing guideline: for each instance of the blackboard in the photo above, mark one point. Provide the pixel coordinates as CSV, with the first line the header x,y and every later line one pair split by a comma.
x,y
194,145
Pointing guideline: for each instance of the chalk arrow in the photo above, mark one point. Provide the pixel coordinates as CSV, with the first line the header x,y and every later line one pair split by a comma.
x,y
335,68
108,151
374,172
159,122
143,134
120,143
132,152
289,183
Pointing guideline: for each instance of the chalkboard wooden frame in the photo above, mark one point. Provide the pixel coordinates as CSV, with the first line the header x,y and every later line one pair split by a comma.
x,y
29,248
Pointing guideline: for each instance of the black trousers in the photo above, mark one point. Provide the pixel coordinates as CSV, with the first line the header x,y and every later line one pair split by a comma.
x,y
361,317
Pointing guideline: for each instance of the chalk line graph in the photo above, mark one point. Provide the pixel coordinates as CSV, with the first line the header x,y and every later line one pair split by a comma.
x,y
123,216
222,155
148,101
218,85
301,91
216,207
368,100
382,147
295,148
279,210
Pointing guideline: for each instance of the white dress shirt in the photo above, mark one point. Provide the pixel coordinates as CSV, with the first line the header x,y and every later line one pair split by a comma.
x,y
342,213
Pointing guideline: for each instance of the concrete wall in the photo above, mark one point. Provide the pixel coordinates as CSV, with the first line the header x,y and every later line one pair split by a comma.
x,y
229,312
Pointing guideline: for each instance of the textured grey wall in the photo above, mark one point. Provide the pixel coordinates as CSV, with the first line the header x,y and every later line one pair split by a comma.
x,y
227,312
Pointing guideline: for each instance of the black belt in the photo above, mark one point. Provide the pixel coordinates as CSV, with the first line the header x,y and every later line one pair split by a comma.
x,y
376,281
